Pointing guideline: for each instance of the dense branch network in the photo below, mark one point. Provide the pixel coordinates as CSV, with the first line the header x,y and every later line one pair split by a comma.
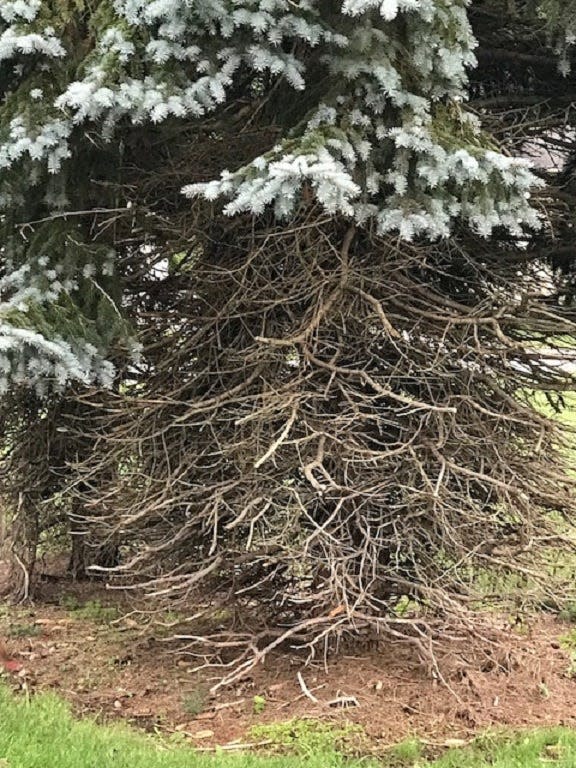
x,y
305,406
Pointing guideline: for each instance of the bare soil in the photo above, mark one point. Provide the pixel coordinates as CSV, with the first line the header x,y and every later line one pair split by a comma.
x,y
120,668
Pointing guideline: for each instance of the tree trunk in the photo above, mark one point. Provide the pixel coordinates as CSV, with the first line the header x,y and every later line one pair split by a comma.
x,y
21,549
85,553
77,562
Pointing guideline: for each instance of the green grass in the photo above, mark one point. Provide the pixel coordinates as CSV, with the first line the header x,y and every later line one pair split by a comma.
x,y
563,412
553,747
548,747
41,733
193,702
91,610
24,630
311,737
406,754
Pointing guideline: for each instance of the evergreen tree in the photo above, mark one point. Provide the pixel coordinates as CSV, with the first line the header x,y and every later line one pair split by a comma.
x,y
292,248
369,99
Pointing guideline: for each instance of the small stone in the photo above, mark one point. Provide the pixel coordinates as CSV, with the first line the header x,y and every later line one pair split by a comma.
x,y
455,743
207,734
344,702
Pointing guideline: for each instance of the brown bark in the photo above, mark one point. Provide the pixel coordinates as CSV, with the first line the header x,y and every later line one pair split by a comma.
x,y
21,550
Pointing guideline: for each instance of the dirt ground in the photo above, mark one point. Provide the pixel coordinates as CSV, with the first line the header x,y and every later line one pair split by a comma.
x,y
105,662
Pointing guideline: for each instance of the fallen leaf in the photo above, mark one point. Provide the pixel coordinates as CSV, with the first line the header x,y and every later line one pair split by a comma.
x,y
12,666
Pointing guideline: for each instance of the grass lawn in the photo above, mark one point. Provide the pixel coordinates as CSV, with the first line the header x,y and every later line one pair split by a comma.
x,y
554,747
41,733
